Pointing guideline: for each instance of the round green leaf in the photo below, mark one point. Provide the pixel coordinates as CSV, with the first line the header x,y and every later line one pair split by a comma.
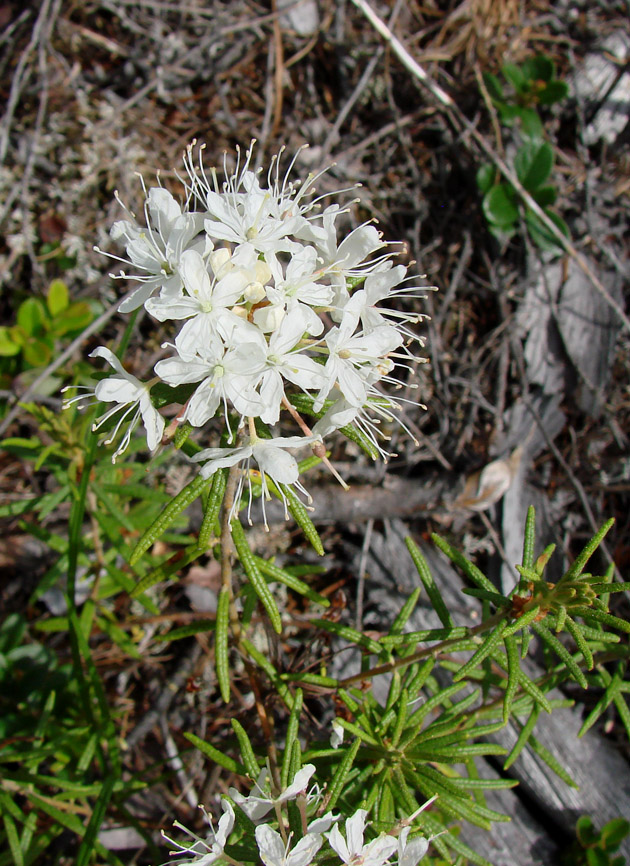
x,y
515,76
545,196
531,124
541,235
58,297
614,832
75,317
539,68
37,353
493,86
584,830
486,176
533,164
31,316
499,206
7,346
508,113
555,91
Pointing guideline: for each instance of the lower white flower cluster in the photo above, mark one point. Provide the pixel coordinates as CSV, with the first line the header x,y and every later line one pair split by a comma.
x,y
268,303
278,848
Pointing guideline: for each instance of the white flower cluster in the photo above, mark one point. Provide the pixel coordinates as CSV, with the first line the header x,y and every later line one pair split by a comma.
x,y
277,847
271,304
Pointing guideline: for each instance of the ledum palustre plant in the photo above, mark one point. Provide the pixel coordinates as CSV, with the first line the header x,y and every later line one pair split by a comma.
x,y
278,327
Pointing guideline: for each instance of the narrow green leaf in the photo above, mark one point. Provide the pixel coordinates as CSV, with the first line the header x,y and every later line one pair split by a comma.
x,y
488,646
338,781
264,663
199,626
291,737
429,584
183,499
349,634
624,712
212,509
254,576
405,612
13,839
561,651
583,557
86,848
221,642
599,615
523,737
514,667
469,568
534,692
576,633
215,755
522,622
247,751
494,598
285,577
427,634
173,564
551,762
610,587
301,516
529,539
311,679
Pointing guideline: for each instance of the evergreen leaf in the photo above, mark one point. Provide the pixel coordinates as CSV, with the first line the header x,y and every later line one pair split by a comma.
x,y
254,576
183,499
221,642
487,647
215,755
429,584
561,651
523,737
469,568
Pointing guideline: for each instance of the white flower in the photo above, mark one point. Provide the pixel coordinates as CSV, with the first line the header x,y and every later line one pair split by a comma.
x,y
259,804
223,375
245,212
411,852
157,249
273,851
207,304
129,394
336,738
353,357
352,850
272,458
284,362
209,850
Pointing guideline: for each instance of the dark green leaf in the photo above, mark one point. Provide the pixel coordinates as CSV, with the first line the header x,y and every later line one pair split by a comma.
x,y
499,206
486,176
539,68
31,316
541,235
533,164
215,755
493,86
531,124
515,76
555,91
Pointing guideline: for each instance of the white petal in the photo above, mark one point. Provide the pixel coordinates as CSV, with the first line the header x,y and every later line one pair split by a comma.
x,y
355,827
270,846
305,850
